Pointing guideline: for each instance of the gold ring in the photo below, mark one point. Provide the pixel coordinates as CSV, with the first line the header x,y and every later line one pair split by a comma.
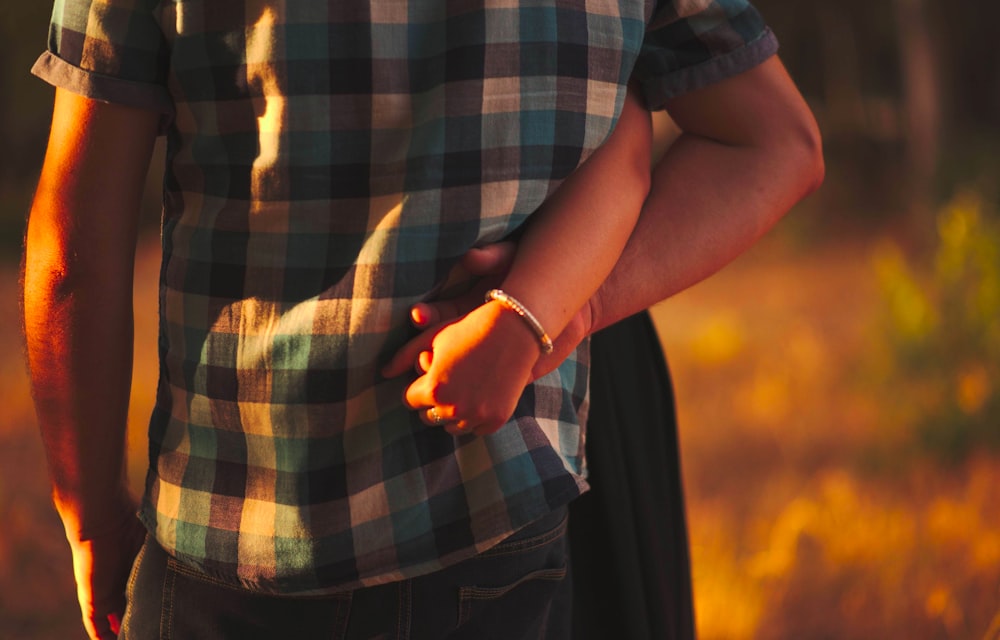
x,y
434,417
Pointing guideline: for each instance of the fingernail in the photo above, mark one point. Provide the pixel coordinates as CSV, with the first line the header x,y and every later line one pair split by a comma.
x,y
114,621
418,318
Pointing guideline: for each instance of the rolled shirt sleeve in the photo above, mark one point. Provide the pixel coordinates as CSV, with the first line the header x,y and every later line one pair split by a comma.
x,y
108,50
690,44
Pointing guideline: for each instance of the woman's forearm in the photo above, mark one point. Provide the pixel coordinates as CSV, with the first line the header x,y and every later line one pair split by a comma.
x,y
573,243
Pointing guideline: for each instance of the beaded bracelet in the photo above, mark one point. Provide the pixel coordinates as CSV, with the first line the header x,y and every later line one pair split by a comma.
x,y
512,303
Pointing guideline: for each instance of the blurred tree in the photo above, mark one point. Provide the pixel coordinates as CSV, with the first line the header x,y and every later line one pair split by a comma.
x,y
970,88
907,93
24,114
920,101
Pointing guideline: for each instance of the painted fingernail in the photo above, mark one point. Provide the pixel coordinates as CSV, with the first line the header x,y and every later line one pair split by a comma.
x,y
418,317
114,622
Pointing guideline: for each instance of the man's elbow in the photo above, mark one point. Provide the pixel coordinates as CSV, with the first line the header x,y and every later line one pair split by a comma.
x,y
804,149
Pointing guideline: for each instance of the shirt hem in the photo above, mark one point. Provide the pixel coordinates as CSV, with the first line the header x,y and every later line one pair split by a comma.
x,y
293,588
658,90
97,86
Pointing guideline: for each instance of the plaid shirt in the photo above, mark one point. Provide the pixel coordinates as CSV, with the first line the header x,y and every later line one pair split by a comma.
x,y
327,164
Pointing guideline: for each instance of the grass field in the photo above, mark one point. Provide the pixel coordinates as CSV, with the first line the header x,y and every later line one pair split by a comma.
x,y
802,524
798,529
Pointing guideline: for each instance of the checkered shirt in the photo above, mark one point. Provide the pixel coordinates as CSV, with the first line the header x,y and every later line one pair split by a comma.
x,y
327,164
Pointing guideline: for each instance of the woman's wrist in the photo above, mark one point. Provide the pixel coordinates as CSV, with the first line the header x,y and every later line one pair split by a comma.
x,y
515,306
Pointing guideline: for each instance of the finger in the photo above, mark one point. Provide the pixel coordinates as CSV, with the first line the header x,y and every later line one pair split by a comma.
x,y
423,314
103,611
491,259
417,395
437,417
109,624
115,622
424,361
442,417
457,428
403,360
427,314
100,629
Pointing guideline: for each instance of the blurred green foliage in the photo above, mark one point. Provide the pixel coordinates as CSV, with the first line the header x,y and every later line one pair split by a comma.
x,y
939,359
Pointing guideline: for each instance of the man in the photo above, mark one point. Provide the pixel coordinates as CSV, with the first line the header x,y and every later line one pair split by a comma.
x,y
327,165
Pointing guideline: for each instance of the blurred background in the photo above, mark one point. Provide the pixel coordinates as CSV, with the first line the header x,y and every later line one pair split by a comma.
x,y
839,386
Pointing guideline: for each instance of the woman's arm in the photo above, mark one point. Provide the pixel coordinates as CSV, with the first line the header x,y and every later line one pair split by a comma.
x,y
477,368
571,245
749,150
78,265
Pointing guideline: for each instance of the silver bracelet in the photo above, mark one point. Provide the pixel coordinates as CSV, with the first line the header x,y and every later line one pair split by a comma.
x,y
512,303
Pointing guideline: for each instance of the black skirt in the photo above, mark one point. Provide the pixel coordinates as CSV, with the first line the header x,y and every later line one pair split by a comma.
x,y
628,534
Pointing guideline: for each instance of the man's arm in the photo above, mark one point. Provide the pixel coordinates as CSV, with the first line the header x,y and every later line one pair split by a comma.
x,y
568,248
78,268
749,150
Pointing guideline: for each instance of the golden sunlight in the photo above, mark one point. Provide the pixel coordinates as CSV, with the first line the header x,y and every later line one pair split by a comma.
x,y
263,77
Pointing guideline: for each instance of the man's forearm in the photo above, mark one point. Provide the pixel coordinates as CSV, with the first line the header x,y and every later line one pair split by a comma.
x,y
717,190
78,265
690,228
79,344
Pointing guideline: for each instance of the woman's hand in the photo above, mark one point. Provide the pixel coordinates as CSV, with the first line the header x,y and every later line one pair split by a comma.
x,y
491,264
473,370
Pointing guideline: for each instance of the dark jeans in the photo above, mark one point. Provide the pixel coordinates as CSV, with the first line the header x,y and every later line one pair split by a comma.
x,y
518,589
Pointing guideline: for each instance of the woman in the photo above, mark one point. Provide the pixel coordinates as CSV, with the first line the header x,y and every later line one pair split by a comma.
x,y
628,537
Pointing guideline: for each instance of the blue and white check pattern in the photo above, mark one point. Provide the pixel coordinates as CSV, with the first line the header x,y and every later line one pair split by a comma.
x,y
328,163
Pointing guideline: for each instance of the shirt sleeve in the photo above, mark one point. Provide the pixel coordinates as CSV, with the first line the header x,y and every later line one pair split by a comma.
x,y
690,44
108,50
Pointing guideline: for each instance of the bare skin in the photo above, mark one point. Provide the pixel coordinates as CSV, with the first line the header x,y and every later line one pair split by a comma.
x,y
79,263
79,258
575,241
749,150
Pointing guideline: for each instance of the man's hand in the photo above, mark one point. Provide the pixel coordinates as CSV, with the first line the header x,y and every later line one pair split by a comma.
x,y
490,263
101,566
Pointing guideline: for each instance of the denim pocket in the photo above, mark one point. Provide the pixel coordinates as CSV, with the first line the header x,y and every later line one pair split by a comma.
x,y
198,606
194,605
527,577
524,594
126,627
